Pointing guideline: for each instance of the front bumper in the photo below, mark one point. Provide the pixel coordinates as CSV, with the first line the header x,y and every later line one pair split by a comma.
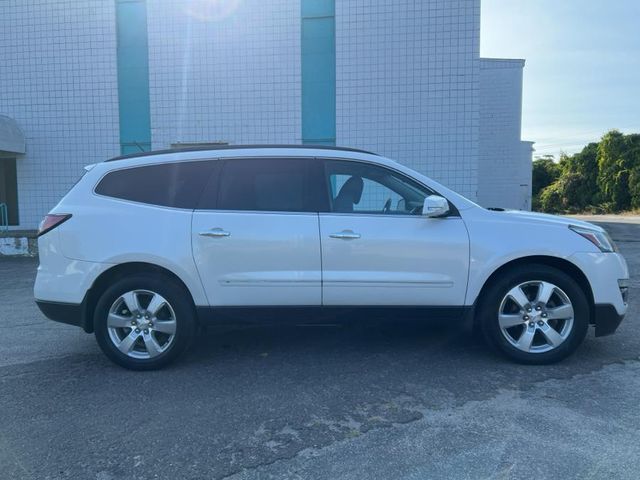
x,y
604,272
606,319
69,313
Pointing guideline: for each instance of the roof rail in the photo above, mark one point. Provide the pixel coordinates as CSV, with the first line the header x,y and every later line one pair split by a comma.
x,y
234,147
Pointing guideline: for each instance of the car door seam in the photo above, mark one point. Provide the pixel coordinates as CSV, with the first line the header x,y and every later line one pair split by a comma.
x,y
321,262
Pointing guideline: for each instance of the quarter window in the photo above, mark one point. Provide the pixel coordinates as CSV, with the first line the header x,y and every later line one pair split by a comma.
x,y
177,185
271,184
364,188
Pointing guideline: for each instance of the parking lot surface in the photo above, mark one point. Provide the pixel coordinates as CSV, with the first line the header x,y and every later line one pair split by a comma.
x,y
381,400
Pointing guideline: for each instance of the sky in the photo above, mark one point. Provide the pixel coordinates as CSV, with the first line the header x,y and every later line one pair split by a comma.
x,y
582,70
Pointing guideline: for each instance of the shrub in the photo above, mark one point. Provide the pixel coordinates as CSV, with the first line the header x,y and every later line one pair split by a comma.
x,y
551,199
634,186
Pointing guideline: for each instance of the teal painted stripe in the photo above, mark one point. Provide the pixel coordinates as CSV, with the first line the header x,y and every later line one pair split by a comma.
x,y
318,8
133,75
318,72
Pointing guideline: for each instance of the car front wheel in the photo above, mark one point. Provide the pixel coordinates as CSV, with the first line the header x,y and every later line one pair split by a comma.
x,y
534,314
144,321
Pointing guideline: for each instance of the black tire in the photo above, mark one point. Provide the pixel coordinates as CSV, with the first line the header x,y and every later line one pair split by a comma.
x,y
492,297
178,298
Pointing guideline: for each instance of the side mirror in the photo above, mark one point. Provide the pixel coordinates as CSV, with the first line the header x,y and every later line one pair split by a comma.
x,y
435,206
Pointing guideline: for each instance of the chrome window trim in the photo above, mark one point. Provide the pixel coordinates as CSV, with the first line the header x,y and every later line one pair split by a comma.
x,y
254,157
256,212
152,164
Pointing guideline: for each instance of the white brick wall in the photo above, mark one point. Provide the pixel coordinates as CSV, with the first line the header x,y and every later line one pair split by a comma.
x,y
407,84
504,161
58,81
224,75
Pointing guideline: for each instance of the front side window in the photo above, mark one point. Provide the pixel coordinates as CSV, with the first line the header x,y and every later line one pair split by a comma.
x,y
364,188
271,184
177,185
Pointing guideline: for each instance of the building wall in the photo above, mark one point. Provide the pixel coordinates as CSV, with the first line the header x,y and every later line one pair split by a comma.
x,y
230,74
58,81
407,82
504,161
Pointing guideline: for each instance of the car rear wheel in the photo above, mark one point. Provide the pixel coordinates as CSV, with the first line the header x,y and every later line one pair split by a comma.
x,y
143,322
534,314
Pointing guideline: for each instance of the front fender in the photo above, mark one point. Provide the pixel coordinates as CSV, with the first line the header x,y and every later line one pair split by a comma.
x,y
497,241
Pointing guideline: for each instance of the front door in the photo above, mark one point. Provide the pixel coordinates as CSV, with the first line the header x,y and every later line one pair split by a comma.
x,y
255,239
378,249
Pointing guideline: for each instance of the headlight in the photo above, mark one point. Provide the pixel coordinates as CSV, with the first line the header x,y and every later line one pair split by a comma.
x,y
602,240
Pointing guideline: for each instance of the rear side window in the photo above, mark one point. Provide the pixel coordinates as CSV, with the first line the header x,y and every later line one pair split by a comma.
x,y
177,185
272,184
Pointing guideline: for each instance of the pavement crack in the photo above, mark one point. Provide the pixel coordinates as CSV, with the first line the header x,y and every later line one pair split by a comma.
x,y
349,427
14,325
410,402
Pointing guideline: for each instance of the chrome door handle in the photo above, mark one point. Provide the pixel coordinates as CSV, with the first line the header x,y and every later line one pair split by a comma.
x,y
345,235
215,232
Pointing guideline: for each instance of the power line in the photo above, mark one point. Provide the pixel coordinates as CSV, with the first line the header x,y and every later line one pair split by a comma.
x,y
573,141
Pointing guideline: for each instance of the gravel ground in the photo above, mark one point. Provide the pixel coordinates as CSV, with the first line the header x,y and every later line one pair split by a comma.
x,y
375,401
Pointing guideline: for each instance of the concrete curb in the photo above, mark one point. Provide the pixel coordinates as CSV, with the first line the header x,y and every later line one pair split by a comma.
x,y
21,243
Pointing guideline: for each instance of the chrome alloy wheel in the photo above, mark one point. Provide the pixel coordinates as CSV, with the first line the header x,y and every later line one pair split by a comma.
x,y
536,316
141,324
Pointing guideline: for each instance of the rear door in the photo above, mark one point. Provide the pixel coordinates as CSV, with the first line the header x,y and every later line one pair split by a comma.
x,y
255,236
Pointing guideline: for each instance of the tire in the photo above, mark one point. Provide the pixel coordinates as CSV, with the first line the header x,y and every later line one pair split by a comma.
x,y
526,328
144,321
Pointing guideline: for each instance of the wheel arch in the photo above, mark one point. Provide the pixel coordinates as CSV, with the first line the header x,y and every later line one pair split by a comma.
x,y
556,262
115,273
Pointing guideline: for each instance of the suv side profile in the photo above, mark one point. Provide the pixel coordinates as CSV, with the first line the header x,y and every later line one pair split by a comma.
x,y
146,247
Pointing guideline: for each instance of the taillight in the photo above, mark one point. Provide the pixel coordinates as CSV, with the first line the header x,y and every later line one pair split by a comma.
x,y
51,221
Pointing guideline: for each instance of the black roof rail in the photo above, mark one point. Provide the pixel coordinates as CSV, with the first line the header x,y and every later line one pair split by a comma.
x,y
234,147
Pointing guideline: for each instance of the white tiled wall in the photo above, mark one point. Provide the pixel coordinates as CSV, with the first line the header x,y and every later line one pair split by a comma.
x,y
58,81
408,84
504,161
224,73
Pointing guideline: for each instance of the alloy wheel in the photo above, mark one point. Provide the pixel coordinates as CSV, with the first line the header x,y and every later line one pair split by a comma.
x,y
141,324
536,316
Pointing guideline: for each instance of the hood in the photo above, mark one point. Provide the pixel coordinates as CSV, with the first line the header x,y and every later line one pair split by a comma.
x,y
535,217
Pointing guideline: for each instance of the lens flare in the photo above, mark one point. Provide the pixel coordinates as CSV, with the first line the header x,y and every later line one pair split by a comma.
x,y
212,10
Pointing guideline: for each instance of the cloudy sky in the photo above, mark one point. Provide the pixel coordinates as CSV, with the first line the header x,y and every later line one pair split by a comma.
x,y
582,71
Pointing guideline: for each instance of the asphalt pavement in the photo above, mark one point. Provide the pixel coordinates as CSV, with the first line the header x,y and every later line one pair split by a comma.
x,y
378,400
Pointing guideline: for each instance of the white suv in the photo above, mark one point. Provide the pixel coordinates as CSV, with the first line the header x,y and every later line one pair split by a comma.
x,y
146,247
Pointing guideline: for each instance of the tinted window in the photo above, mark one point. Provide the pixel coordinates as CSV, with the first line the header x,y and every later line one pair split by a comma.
x,y
364,188
272,184
171,185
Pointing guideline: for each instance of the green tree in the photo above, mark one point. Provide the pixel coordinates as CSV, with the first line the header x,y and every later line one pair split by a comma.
x,y
634,186
604,175
545,172
580,174
613,170
550,199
